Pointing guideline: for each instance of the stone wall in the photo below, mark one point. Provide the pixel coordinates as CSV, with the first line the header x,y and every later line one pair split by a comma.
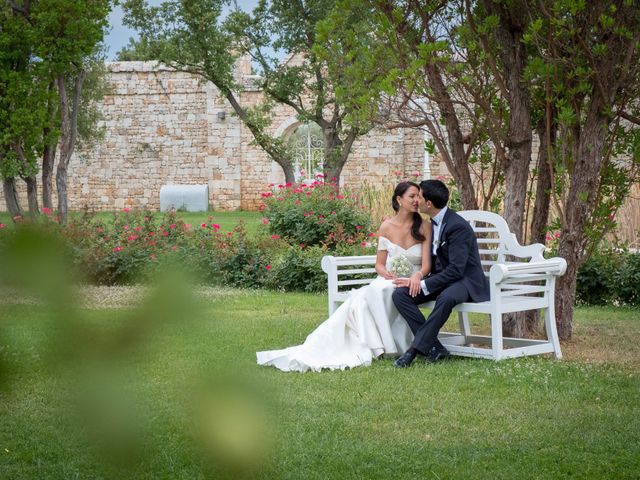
x,y
166,127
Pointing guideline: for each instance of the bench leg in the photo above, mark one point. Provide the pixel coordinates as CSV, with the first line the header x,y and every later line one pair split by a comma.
x,y
552,331
496,335
463,321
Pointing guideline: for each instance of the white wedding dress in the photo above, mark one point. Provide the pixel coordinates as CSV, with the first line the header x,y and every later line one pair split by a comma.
x,y
366,326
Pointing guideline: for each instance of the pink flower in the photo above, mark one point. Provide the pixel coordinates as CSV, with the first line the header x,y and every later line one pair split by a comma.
x,y
548,237
372,234
415,173
46,211
268,267
203,225
117,249
132,238
288,184
126,227
358,227
165,233
137,229
125,210
215,226
151,234
261,207
275,237
187,226
297,202
265,221
2,225
557,235
334,179
340,197
319,175
266,195
364,244
172,226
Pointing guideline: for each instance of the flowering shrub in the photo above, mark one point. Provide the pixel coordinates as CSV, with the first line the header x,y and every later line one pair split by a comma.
x,y
133,246
315,214
299,269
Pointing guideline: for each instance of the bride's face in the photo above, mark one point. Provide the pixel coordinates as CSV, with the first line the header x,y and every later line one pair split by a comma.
x,y
410,200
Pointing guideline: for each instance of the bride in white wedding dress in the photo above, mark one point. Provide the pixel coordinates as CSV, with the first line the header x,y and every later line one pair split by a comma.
x,y
367,325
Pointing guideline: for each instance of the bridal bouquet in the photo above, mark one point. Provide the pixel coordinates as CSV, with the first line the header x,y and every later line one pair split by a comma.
x,y
400,266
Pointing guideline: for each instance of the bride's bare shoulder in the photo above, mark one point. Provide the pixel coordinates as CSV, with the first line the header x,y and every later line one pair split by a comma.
x,y
385,228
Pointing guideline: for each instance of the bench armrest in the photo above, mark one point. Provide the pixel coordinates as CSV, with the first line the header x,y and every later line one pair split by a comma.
x,y
553,266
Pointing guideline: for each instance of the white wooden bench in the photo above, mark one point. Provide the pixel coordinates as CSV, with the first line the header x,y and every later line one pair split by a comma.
x,y
520,278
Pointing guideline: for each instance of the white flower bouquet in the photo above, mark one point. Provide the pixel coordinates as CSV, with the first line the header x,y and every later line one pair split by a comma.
x,y
400,266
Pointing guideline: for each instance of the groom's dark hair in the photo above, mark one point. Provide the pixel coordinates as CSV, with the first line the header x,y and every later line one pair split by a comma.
x,y
436,191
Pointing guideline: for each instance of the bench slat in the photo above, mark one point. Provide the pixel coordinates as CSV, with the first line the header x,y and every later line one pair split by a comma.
x,y
354,271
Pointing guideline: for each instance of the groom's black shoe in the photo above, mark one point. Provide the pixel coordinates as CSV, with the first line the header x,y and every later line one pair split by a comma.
x,y
405,359
438,355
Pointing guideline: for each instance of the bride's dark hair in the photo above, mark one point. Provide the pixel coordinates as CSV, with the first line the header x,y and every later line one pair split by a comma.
x,y
399,191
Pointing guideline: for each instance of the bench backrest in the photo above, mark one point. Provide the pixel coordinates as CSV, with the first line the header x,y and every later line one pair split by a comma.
x,y
497,245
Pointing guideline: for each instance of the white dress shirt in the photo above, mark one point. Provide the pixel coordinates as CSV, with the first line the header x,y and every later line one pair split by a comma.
x,y
435,241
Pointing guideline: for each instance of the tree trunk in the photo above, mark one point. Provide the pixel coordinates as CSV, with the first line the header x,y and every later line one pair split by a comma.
x,y
579,208
566,291
49,153
69,130
513,54
336,153
543,185
11,197
48,159
32,196
61,186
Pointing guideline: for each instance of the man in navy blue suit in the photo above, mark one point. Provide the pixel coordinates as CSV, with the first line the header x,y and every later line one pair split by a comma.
x,y
456,276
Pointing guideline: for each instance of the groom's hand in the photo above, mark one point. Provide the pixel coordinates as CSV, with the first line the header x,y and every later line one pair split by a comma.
x,y
413,284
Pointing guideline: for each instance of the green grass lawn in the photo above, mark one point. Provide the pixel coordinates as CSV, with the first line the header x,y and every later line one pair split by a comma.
x,y
226,220
172,391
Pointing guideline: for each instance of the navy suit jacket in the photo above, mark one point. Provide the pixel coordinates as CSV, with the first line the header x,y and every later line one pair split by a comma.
x,y
457,259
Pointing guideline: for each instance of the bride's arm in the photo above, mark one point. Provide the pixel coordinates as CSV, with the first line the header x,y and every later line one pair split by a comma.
x,y
427,245
381,257
414,281
381,265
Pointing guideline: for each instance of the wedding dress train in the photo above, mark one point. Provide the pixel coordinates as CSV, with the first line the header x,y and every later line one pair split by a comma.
x,y
366,326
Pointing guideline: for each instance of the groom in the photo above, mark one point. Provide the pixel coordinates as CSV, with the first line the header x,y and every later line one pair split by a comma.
x,y
456,276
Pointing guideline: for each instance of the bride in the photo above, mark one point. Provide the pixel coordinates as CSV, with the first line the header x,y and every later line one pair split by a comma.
x,y
367,325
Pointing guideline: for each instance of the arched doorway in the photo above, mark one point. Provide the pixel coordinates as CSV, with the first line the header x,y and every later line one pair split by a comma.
x,y
306,144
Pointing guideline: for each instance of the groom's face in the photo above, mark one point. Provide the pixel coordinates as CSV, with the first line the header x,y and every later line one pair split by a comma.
x,y
422,205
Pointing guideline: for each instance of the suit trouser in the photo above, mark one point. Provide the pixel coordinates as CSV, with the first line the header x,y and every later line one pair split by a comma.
x,y
426,331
